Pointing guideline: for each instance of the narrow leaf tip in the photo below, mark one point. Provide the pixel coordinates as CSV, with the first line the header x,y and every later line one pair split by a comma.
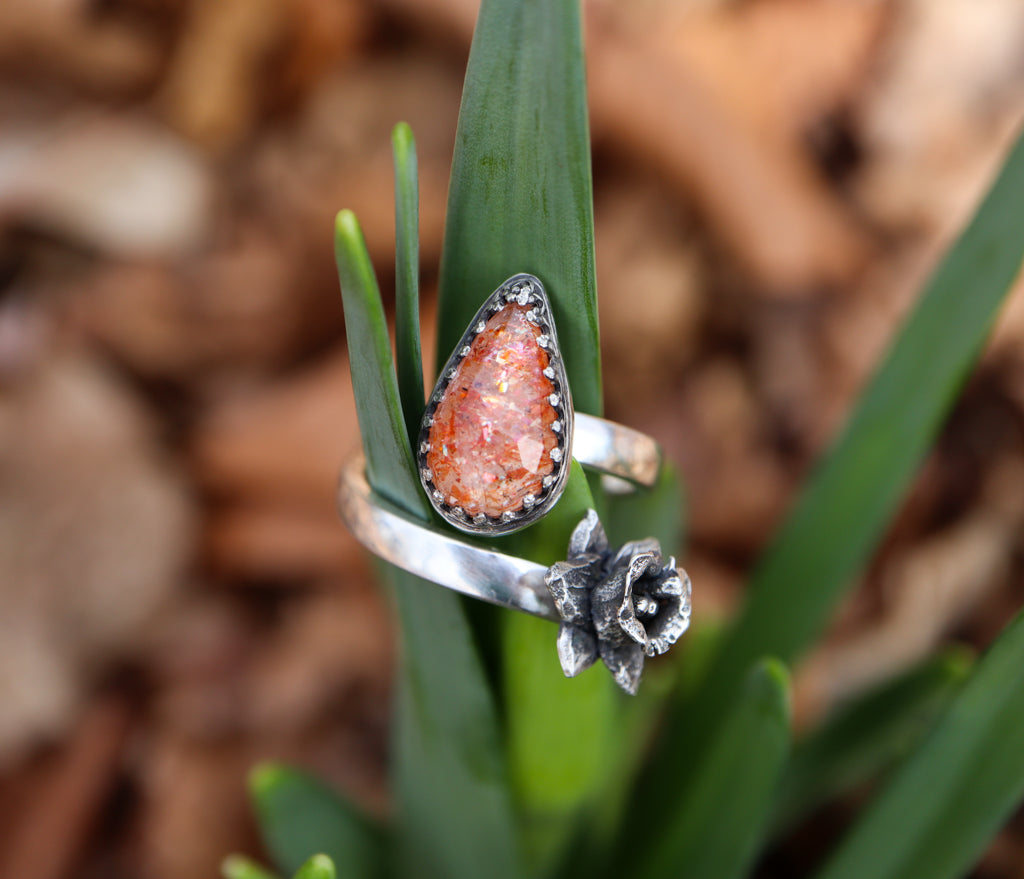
x,y
264,778
401,135
317,867
771,682
346,226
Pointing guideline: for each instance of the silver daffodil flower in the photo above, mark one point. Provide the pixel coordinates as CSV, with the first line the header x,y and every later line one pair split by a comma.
x,y
620,605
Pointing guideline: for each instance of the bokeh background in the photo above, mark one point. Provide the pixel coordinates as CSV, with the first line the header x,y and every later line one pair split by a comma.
x,y
774,180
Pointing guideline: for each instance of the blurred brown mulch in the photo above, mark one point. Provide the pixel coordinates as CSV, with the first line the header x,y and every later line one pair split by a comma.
x,y
774,180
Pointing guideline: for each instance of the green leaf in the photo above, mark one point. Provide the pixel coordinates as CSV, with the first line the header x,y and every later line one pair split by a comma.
x,y
712,832
455,816
300,816
696,649
389,463
868,736
520,197
657,512
241,867
407,278
957,788
631,731
573,718
455,813
840,516
317,867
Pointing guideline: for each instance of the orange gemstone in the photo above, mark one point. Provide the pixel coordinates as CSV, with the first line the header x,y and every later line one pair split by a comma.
x,y
491,439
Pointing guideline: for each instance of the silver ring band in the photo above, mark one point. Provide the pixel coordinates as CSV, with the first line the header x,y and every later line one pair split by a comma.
x,y
481,573
616,450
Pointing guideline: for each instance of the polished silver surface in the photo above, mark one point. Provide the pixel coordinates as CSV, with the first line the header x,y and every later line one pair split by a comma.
x,y
482,573
616,450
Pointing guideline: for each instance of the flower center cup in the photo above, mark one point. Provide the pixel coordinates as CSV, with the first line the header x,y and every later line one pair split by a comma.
x,y
646,606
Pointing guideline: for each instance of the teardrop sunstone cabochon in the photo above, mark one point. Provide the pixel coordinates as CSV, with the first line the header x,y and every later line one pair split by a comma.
x,y
496,439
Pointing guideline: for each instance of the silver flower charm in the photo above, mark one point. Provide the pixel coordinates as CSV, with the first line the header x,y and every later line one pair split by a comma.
x,y
619,605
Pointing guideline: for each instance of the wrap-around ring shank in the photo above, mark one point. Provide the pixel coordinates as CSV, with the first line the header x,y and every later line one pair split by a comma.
x,y
616,450
482,573
472,570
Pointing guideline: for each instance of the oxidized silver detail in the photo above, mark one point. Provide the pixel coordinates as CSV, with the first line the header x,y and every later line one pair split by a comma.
x,y
620,605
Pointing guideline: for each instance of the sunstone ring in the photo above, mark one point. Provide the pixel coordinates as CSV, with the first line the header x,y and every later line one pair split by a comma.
x,y
494,452
499,431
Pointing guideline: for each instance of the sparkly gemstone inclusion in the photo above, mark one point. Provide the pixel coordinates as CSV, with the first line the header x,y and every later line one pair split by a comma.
x,y
491,439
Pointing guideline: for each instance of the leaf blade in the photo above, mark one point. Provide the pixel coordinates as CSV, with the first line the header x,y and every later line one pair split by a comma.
x,y
456,819
658,512
390,468
520,197
408,355
317,867
737,780
955,790
573,718
854,491
868,736
300,816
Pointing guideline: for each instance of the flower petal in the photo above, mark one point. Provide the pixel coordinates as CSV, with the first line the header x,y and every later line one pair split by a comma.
x,y
577,649
666,629
639,564
570,584
631,625
605,603
635,547
625,662
672,620
668,585
588,536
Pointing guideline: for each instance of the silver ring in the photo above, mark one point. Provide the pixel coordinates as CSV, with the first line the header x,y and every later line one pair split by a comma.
x,y
499,431
617,604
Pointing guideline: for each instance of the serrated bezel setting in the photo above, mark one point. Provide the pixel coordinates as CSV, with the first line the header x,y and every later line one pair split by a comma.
x,y
525,290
